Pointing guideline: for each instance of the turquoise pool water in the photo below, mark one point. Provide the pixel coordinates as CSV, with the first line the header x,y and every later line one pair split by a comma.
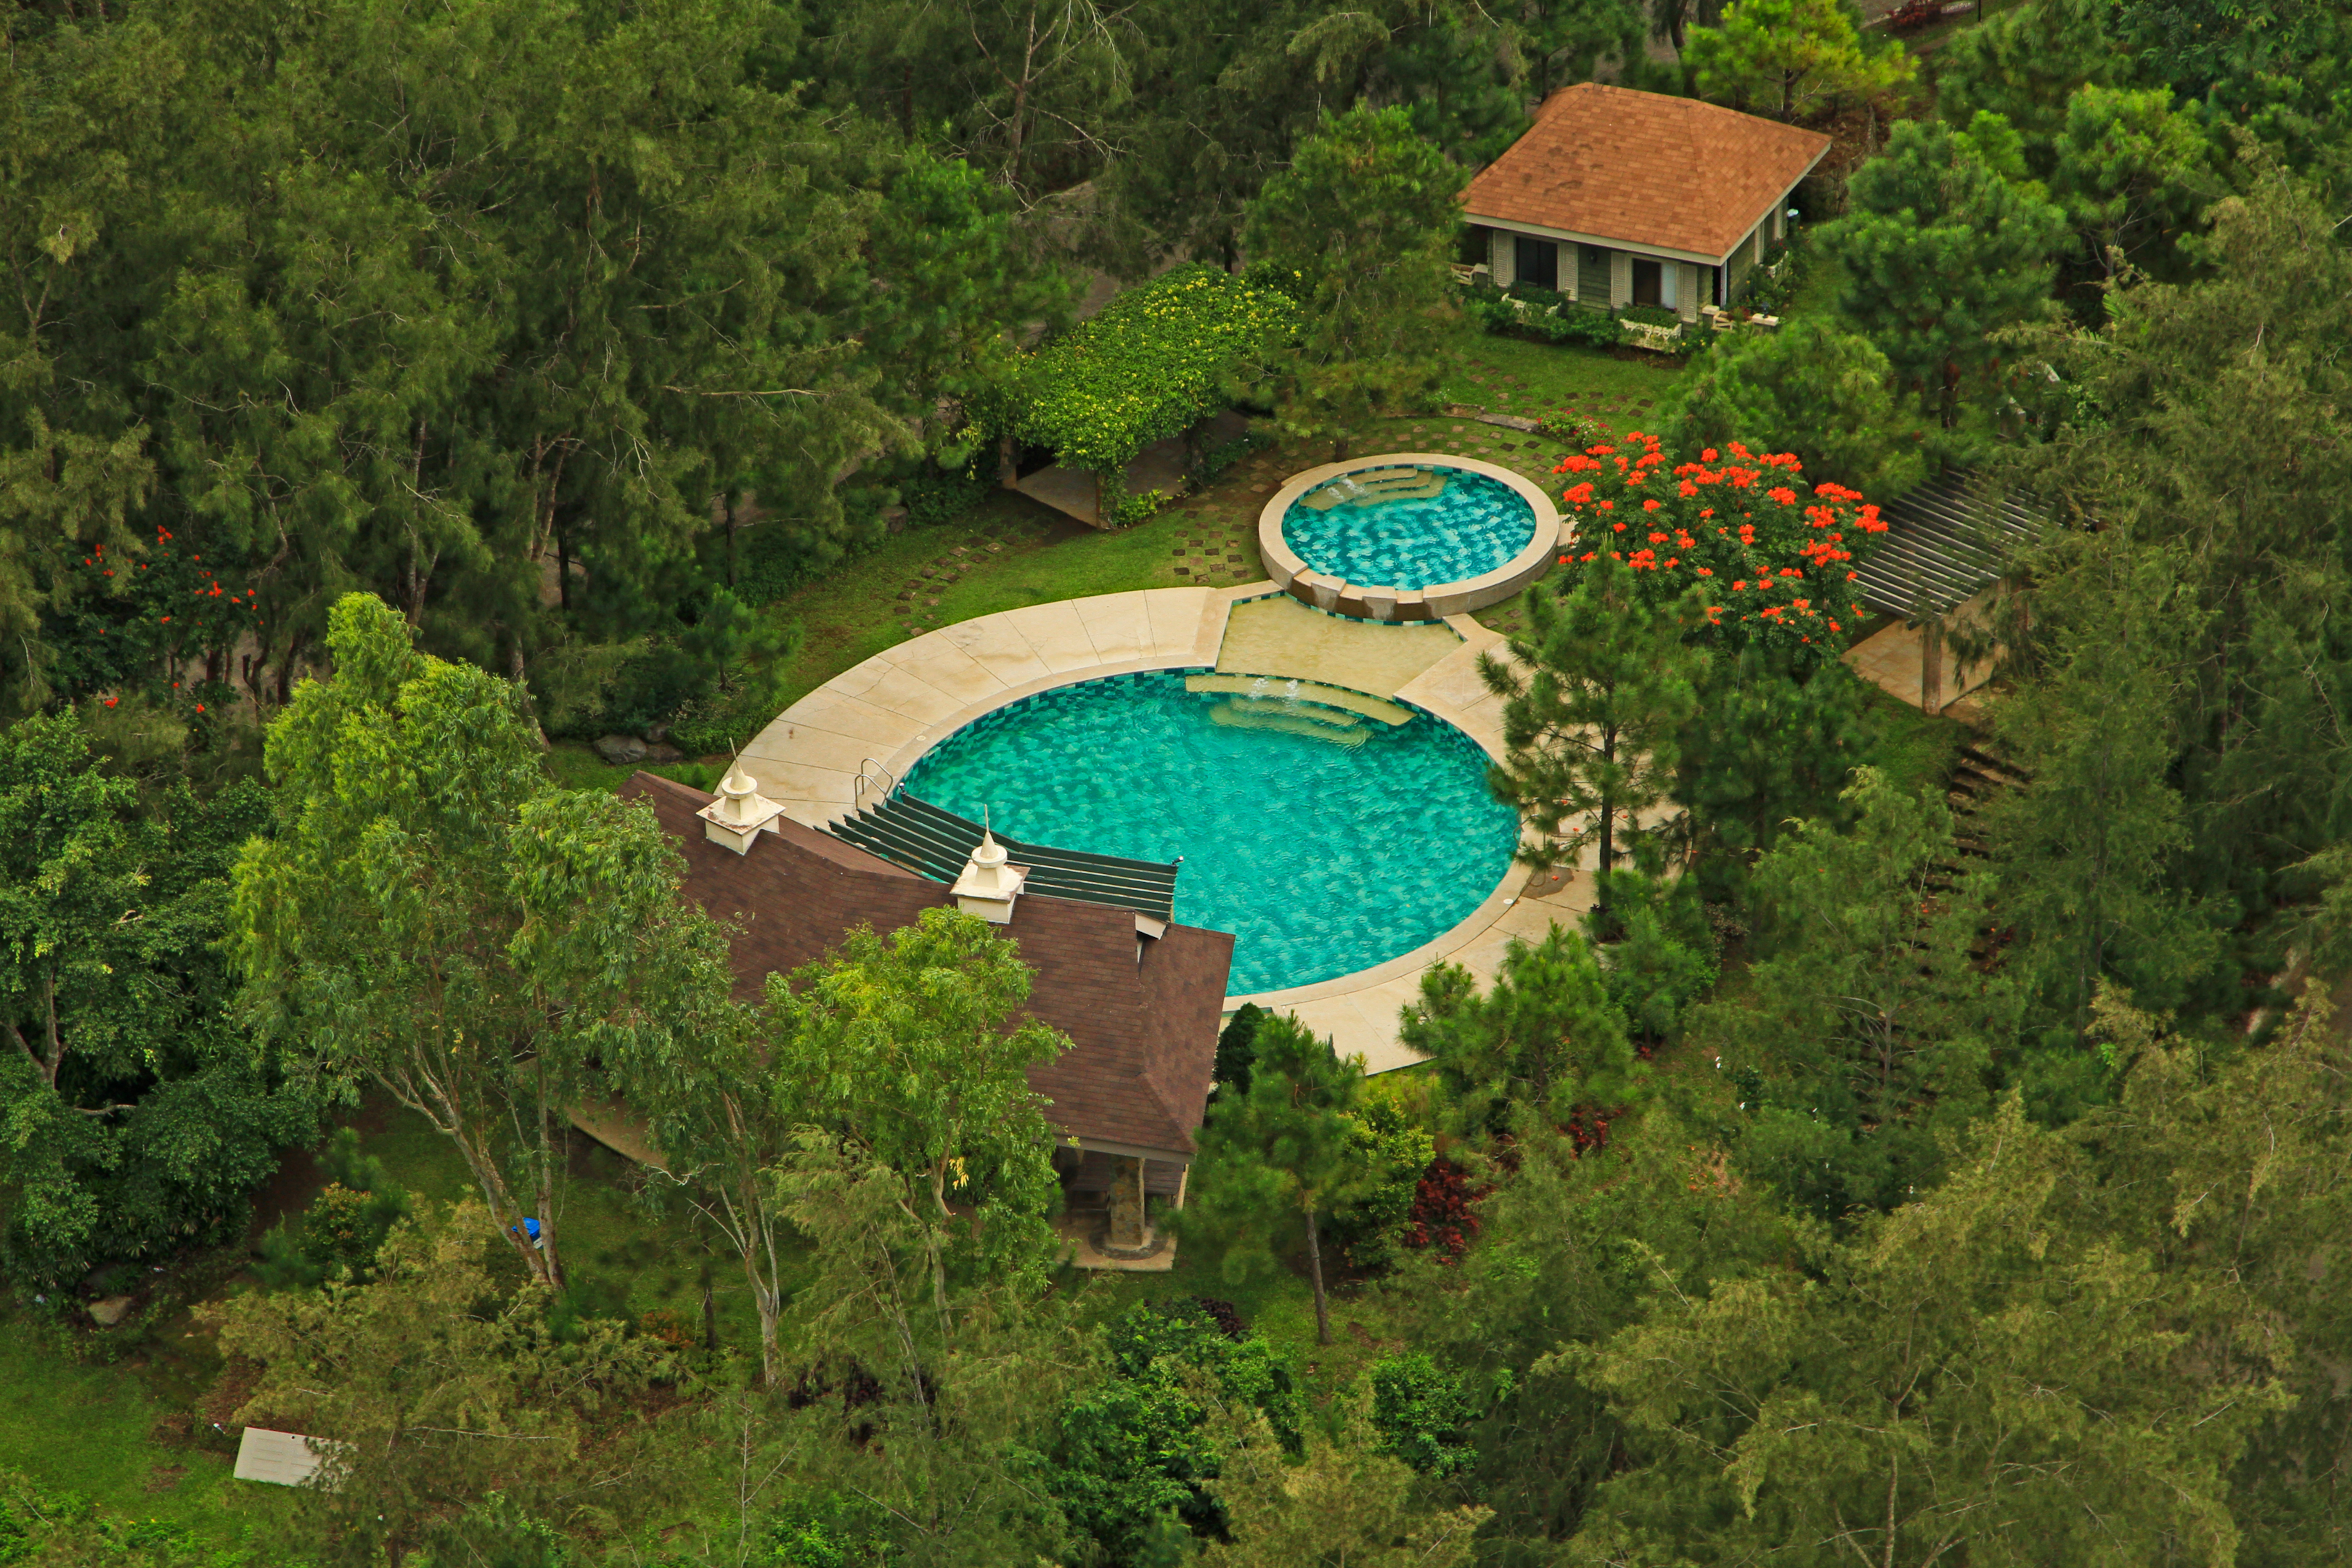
x,y
1472,527
1325,841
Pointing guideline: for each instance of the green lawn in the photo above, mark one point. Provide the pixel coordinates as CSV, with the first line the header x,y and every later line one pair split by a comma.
x,y
1508,375
104,1432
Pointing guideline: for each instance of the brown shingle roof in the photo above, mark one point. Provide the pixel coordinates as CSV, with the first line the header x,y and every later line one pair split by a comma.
x,y
1672,173
1144,1033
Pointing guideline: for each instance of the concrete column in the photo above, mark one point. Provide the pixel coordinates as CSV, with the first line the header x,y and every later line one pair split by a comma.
x,y
1621,280
1130,1230
1503,256
1690,292
1931,665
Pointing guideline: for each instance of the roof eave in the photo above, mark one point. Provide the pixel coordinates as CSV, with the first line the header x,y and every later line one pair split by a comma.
x,y
1773,205
1521,226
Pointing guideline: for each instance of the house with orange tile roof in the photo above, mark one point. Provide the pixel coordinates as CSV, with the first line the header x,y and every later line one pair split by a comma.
x,y
1615,197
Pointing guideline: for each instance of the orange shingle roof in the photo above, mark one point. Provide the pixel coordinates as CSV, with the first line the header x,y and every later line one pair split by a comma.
x,y
1672,173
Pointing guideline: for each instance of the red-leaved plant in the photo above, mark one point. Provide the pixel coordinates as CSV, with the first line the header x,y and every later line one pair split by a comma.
x,y
1777,561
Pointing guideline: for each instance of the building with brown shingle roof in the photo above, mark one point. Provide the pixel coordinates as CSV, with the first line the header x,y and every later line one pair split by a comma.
x,y
1141,1010
1615,197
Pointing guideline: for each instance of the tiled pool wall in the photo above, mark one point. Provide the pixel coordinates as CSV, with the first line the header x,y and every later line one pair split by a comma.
x,y
1473,526
1391,601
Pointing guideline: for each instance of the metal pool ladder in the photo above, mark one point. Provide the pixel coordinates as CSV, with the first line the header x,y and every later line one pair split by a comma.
x,y
874,780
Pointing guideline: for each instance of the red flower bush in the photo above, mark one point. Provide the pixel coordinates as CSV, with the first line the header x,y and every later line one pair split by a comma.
x,y
1776,564
1441,1215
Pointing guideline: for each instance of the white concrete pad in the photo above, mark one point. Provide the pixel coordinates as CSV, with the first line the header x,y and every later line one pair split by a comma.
x,y
1057,635
1118,625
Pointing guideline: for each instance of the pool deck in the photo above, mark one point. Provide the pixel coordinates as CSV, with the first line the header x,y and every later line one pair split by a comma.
x,y
878,720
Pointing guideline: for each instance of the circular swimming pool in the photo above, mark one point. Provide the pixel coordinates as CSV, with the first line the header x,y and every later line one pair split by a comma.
x,y
1409,526
1327,839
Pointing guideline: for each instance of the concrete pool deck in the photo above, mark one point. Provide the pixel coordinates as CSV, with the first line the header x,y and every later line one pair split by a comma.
x,y
856,735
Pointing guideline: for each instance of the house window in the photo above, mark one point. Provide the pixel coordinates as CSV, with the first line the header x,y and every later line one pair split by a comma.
x,y
1539,262
1648,286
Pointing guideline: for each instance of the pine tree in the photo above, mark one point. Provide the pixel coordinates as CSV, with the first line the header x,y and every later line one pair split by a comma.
x,y
1595,694
1936,253
1282,1148
1544,1039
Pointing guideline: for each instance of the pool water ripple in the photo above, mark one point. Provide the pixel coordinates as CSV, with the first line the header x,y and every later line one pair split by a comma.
x,y
1326,842
1476,525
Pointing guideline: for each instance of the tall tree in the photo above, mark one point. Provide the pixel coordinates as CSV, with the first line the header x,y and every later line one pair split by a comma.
x,y
1986,1375
1938,252
1361,227
1346,1503
1794,60
434,918
1812,388
1595,694
921,1385
437,1416
1282,1148
2026,64
2135,175
136,1116
2084,843
2256,521
1869,1031
1775,739
912,1050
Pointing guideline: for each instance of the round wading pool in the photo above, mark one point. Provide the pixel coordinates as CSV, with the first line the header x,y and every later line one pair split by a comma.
x,y
1410,536
1327,836
1410,527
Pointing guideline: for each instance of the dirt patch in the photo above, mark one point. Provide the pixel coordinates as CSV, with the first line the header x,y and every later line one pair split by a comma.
x,y
163,1479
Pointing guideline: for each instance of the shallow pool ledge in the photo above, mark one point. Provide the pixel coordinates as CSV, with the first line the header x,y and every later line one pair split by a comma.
x,y
1381,602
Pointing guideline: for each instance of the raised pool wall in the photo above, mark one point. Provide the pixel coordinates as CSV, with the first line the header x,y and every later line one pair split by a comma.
x,y
1382,602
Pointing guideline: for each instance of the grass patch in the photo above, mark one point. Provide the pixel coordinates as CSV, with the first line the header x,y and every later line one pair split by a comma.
x,y
1916,751
1510,375
97,1430
576,765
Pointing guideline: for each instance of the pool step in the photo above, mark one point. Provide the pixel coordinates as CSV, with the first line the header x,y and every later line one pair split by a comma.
x,y
1277,687
1341,728
1373,485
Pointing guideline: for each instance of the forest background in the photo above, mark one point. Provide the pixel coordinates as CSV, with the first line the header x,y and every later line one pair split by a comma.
x,y
1922,1174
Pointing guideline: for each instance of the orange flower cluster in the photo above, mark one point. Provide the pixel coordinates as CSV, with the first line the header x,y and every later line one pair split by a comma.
x,y
1776,563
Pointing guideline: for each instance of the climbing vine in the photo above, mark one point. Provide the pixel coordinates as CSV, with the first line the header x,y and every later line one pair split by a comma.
x,y
1156,359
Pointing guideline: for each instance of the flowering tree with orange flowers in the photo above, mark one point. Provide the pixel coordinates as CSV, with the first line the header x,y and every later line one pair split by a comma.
x,y
1776,556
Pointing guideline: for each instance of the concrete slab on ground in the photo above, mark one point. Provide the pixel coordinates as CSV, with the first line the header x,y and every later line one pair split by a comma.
x,y
1279,635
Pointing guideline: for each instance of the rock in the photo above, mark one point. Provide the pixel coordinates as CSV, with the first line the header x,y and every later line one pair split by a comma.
x,y
621,751
894,520
664,753
112,1310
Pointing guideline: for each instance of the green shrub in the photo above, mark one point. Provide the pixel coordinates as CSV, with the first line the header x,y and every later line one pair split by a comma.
x,y
1659,953
1389,1154
1216,459
1422,1415
345,1227
932,495
1127,510
1236,1049
1133,1451
1650,315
